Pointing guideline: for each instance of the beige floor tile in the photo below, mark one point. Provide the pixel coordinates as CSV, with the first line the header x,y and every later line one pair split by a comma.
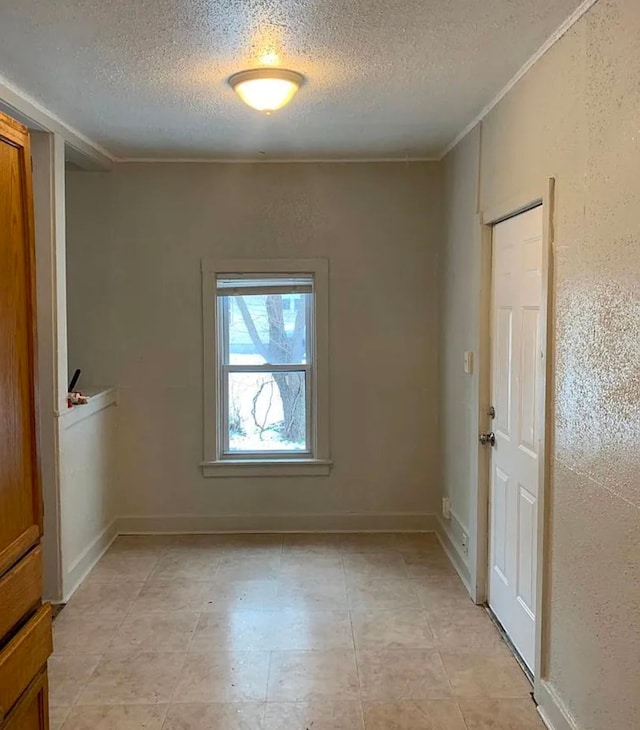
x,y
466,628
319,715
381,594
308,676
136,679
428,565
233,631
133,640
312,594
216,716
81,633
501,715
312,631
258,545
118,567
194,564
144,542
396,629
321,568
156,632
57,715
426,542
241,595
442,593
212,543
196,550
413,715
408,674
171,595
373,542
376,566
273,631
247,567
311,544
224,677
116,717
68,675
99,599
487,676
141,544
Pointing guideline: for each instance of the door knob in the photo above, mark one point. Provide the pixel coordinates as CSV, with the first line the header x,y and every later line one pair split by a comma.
x,y
487,439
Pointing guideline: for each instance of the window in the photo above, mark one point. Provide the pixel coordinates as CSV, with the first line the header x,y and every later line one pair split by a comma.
x,y
265,362
265,325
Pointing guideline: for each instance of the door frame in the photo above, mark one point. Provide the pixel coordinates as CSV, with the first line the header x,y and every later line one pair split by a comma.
x,y
543,194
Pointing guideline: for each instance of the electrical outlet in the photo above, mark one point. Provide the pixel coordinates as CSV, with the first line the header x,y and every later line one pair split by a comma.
x,y
446,508
464,543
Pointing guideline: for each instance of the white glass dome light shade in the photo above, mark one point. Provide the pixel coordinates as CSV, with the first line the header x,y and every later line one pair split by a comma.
x,y
266,89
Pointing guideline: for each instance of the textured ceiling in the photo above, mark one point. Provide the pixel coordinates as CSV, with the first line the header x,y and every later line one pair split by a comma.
x,y
386,78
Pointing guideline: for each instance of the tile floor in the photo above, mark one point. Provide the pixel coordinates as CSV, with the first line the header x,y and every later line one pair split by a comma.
x,y
293,632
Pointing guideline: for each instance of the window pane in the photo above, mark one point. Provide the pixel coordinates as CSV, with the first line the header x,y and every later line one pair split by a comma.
x,y
266,328
267,412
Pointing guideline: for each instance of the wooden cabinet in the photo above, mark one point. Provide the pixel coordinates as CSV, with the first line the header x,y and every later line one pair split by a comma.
x,y
25,624
32,711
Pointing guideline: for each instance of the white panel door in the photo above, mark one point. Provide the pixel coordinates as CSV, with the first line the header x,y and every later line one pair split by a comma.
x,y
515,377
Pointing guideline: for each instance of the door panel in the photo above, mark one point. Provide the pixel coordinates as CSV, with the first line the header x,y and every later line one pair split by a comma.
x,y
32,710
526,545
20,591
529,375
24,656
515,375
501,490
20,511
503,366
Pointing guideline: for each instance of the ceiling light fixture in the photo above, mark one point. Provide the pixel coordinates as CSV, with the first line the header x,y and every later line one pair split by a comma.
x,y
266,89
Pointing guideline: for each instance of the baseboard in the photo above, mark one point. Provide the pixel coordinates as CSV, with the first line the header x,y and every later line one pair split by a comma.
x,y
552,710
335,522
79,569
450,546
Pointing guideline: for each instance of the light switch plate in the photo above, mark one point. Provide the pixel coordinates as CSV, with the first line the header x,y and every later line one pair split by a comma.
x,y
468,362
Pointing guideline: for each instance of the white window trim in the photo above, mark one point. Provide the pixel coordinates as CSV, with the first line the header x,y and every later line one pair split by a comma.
x,y
319,464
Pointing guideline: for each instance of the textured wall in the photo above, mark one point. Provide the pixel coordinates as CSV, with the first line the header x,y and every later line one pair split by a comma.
x,y
575,116
135,240
459,320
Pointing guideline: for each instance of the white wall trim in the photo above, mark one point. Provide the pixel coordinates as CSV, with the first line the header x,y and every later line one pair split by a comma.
x,y
83,564
552,710
97,402
26,105
331,522
581,10
271,161
450,546
43,151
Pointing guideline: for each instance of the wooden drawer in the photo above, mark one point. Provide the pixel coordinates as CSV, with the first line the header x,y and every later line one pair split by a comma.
x,y
23,657
20,591
32,710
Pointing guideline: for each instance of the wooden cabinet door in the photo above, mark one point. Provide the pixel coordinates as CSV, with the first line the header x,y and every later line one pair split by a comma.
x,y
32,711
20,500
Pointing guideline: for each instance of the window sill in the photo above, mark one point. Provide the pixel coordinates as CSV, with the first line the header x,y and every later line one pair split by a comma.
x,y
272,468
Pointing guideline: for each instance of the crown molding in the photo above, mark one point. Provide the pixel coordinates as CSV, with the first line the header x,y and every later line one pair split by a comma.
x,y
274,161
581,10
